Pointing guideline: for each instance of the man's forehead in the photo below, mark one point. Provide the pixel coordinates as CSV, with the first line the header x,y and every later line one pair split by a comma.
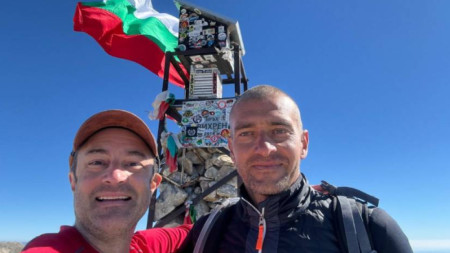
x,y
110,139
260,108
273,111
267,120
106,151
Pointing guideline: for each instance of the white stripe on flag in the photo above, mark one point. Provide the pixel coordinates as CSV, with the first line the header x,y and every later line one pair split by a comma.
x,y
144,10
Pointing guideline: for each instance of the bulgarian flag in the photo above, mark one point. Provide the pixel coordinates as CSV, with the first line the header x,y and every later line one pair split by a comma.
x,y
132,30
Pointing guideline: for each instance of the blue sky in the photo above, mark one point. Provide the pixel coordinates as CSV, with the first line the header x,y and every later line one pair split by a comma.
x,y
371,79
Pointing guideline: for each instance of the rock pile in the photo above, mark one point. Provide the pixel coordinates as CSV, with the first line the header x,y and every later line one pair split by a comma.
x,y
198,169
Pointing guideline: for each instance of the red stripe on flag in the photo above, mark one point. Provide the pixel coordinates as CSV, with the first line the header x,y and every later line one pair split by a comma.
x,y
106,29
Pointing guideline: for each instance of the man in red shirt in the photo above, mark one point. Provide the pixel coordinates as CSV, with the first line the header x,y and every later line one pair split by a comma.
x,y
112,176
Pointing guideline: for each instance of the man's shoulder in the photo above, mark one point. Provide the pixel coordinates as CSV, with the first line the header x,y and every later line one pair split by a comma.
x,y
67,239
42,242
64,233
321,200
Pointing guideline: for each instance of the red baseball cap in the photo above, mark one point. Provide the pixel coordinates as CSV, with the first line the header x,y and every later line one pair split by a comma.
x,y
113,118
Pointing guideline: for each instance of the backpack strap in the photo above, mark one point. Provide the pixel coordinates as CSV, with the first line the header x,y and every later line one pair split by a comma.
x,y
207,227
352,216
349,225
356,235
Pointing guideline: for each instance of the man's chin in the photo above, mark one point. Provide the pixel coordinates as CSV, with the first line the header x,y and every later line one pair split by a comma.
x,y
116,224
113,215
269,187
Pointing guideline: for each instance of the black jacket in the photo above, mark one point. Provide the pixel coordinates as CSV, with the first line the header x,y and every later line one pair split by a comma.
x,y
299,219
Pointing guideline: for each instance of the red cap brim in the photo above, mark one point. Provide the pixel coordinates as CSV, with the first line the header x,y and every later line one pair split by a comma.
x,y
113,118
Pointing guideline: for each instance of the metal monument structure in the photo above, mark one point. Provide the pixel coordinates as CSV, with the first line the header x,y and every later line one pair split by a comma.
x,y
210,47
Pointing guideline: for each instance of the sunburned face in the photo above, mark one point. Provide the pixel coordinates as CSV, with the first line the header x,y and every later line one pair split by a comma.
x,y
267,145
114,182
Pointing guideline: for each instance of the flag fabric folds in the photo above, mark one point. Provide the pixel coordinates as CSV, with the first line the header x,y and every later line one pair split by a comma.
x,y
132,30
162,102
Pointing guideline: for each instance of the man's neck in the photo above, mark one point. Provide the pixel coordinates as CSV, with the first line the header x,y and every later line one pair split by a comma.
x,y
107,242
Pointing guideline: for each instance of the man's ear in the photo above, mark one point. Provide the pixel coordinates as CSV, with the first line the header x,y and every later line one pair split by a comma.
x,y
305,143
72,180
154,183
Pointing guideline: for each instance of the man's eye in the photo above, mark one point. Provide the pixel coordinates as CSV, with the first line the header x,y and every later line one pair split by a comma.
x,y
280,131
134,165
246,133
96,164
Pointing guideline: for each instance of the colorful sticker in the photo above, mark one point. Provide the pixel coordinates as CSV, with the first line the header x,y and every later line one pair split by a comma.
x,y
222,36
205,123
222,104
209,58
196,58
194,25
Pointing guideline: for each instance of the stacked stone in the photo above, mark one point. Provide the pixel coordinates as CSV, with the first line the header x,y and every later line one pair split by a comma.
x,y
198,169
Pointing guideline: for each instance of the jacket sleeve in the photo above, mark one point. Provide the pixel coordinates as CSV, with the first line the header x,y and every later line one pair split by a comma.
x,y
387,235
160,239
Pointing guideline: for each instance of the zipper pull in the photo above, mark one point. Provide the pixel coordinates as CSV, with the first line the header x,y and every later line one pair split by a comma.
x,y
261,231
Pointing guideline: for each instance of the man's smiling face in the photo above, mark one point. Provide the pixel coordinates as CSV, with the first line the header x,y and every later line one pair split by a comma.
x,y
113,182
267,144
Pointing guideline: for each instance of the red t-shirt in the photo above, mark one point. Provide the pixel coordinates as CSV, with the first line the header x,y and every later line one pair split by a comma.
x,y
69,240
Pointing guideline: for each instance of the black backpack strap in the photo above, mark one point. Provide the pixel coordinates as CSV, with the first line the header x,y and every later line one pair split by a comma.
x,y
352,217
349,224
212,219
354,226
365,213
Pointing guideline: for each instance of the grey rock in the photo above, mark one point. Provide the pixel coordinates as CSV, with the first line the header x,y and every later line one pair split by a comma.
x,y
203,153
197,190
186,165
204,185
224,171
227,191
211,172
209,163
201,208
179,178
192,156
169,198
213,195
200,168
220,160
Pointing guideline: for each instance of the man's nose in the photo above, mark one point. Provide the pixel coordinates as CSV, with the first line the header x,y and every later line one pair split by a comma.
x,y
115,174
264,145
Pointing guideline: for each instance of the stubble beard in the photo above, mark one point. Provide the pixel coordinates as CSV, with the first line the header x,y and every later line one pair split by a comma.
x,y
108,223
268,187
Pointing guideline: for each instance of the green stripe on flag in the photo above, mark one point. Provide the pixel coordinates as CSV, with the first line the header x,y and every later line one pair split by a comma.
x,y
152,28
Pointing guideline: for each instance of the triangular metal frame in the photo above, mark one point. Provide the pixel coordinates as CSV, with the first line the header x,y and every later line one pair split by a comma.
x,y
239,78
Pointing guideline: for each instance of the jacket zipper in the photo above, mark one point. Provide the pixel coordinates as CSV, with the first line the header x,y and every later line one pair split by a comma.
x,y
261,227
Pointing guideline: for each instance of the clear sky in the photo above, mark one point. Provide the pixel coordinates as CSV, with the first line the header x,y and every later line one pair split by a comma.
x,y
371,78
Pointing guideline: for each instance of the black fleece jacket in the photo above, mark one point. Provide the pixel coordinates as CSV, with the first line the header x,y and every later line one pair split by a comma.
x,y
299,219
